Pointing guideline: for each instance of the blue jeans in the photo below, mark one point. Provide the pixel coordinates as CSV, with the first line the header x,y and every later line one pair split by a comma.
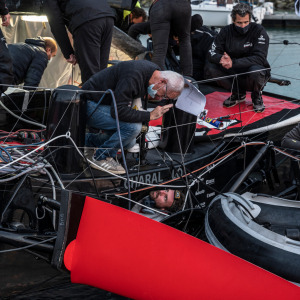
x,y
108,142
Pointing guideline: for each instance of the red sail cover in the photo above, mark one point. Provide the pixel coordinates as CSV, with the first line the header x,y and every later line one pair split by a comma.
x,y
130,255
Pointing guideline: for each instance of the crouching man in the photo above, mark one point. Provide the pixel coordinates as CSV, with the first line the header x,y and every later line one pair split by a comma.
x,y
240,48
128,80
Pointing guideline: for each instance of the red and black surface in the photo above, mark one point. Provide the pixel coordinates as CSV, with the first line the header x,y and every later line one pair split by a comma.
x,y
278,111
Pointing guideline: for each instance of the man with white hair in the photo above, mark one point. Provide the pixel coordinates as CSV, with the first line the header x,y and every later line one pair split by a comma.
x,y
128,80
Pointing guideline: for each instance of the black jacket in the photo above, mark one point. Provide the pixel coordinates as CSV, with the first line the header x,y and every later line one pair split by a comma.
x,y
29,61
3,8
245,50
6,74
292,139
121,22
128,80
140,28
73,13
201,40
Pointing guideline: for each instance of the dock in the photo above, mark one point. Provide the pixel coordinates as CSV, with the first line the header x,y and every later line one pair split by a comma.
x,y
281,20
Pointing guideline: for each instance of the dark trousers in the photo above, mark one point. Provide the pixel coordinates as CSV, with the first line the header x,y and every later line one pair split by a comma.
x,y
6,69
253,82
172,16
92,42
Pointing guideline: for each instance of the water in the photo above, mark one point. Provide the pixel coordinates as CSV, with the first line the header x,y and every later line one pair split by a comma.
x,y
284,60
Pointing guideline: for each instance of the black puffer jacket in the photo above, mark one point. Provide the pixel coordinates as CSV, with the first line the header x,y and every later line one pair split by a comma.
x,y
29,61
6,76
73,13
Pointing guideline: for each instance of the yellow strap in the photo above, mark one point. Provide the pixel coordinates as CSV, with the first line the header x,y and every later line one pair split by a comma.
x,y
127,12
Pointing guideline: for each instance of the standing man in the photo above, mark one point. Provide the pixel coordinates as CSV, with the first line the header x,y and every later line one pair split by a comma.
x,y
241,47
171,16
30,59
6,73
128,80
91,23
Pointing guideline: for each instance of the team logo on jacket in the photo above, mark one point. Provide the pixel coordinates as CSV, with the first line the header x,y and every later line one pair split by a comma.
x,y
261,40
248,44
212,51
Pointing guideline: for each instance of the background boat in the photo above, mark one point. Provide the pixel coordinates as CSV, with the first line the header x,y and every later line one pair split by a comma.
x,y
217,12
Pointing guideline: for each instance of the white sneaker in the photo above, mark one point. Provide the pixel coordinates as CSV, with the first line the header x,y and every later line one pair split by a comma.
x,y
108,164
134,149
89,152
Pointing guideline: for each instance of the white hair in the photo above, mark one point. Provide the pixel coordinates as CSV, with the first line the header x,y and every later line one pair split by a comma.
x,y
174,80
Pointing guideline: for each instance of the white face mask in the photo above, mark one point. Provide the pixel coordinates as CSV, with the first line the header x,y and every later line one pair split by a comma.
x,y
49,60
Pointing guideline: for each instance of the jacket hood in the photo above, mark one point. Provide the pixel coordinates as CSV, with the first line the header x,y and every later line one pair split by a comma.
x,y
36,41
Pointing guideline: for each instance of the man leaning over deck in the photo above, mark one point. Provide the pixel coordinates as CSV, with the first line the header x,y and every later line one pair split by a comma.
x,y
30,59
128,80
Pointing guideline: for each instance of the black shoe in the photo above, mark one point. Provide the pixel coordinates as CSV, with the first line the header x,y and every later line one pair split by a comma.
x,y
234,99
258,104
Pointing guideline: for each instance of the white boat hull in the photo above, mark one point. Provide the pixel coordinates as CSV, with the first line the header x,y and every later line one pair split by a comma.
x,y
219,16
213,17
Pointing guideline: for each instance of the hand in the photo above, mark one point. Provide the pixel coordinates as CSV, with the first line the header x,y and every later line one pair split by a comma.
x,y
5,20
226,56
159,111
226,61
227,65
72,60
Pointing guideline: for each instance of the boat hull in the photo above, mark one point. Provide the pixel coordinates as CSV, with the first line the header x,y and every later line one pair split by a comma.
x,y
213,17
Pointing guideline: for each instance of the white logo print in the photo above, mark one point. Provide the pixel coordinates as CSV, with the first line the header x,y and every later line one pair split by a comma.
x,y
213,49
248,44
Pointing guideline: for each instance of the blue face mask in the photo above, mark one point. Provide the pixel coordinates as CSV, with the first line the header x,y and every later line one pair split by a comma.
x,y
151,91
242,30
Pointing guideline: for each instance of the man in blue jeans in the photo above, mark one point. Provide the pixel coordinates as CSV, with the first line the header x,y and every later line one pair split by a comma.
x,y
128,80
